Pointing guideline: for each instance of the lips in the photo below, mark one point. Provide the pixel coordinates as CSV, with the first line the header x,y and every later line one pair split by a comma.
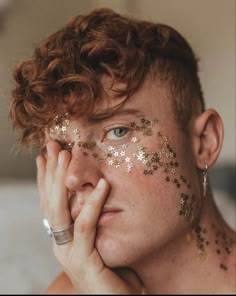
x,y
76,207
107,214
107,209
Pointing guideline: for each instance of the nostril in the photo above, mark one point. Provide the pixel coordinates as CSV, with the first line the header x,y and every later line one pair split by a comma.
x,y
87,185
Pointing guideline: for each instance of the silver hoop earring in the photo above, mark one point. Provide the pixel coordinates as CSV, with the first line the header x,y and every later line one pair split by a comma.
x,y
204,183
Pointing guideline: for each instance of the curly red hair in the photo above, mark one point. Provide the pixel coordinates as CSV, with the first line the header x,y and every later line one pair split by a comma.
x,y
66,70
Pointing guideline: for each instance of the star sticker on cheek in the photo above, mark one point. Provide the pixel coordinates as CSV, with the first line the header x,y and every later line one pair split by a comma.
x,y
110,148
129,167
134,140
140,157
127,159
124,146
75,131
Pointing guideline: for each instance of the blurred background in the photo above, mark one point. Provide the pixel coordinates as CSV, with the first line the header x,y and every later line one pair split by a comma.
x,y
27,264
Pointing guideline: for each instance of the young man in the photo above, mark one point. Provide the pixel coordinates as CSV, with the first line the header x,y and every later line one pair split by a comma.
x,y
116,106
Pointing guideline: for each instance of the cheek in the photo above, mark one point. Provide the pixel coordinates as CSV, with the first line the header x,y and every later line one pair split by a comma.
x,y
143,160
159,177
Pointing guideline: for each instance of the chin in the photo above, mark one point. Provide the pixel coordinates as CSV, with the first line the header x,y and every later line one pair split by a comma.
x,y
111,250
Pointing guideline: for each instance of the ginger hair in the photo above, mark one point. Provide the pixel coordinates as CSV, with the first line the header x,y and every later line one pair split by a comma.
x,y
66,70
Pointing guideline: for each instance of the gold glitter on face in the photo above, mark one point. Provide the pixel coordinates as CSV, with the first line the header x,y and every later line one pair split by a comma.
x,y
132,153
59,131
128,152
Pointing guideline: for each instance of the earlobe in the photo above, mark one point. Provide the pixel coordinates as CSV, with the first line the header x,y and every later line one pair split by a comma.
x,y
208,133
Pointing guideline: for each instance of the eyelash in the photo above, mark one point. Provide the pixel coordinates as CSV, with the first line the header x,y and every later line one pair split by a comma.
x,y
117,138
115,129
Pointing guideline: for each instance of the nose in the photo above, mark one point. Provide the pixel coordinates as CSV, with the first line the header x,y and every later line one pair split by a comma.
x,y
83,172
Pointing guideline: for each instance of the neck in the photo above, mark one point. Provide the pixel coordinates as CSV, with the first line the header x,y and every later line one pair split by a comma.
x,y
183,265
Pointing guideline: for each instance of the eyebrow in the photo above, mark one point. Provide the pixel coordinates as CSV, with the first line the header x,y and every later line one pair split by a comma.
x,y
120,112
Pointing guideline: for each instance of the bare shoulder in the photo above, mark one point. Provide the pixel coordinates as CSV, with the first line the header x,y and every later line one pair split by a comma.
x,y
61,285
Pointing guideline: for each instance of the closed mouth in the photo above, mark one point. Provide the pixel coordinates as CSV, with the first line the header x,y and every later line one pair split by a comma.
x,y
77,207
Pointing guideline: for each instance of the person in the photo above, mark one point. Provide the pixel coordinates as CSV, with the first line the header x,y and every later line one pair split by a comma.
x,y
116,108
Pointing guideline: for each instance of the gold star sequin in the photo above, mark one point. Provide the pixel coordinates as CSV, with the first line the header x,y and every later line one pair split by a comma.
x,y
134,139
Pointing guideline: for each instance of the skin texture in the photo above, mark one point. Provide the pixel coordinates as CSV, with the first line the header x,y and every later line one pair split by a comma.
x,y
143,248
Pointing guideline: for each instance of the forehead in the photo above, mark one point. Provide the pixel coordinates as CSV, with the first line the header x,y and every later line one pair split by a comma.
x,y
151,99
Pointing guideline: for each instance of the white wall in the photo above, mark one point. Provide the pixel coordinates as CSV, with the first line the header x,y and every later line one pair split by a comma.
x,y
209,25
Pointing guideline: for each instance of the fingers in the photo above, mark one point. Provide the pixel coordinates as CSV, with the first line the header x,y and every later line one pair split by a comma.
x,y
51,176
86,222
41,166
50,179
53,149
58,206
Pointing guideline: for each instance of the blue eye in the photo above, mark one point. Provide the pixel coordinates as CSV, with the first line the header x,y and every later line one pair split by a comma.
x,y
117,132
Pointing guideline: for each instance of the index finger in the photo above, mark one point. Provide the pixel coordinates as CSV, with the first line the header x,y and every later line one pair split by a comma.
x,y
86,222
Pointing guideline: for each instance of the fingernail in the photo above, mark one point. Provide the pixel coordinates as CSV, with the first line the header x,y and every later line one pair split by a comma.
x,y
101,183
37,162
49,149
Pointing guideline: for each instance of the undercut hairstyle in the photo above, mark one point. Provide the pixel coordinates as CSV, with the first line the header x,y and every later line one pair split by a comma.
x,y
67,70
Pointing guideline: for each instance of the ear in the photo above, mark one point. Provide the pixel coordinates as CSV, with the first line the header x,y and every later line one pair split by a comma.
x,y
208,134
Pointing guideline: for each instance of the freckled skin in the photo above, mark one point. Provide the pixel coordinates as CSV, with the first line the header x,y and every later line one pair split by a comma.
x,y
159,190
122,156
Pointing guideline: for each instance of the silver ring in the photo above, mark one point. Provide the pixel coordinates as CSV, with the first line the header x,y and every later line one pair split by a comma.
x,y
61,236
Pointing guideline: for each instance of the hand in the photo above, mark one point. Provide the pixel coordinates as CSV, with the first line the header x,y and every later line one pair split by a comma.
x,y
79,258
